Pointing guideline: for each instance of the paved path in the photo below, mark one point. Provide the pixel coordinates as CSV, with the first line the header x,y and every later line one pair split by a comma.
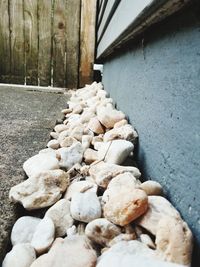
x,y
26,119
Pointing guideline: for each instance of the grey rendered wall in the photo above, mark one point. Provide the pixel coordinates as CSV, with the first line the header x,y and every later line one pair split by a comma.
x,y
158,86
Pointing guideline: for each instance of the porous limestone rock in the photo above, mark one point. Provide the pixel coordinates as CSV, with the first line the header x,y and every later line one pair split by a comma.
x,y
70,155
101,231
109,116
40,191
53,144
125,207
126,132
158,207
95,126
43,236
103,172
115,151
23,229
85,207
90,155
61,217
174,241
78,187
73,251
152,188
21,255
40,162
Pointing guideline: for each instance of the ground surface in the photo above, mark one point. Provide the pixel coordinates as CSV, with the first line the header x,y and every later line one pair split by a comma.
x,y
26,119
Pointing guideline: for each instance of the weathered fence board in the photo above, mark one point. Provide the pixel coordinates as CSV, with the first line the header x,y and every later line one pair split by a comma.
x,y
5,42
72,42
59,49
17,40
44,41
31,41
47,42
88,19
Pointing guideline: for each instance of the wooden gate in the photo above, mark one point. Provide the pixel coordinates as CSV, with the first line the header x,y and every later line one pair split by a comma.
x,y
47,42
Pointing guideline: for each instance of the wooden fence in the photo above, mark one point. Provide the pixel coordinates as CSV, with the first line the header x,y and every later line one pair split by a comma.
x,y
47,42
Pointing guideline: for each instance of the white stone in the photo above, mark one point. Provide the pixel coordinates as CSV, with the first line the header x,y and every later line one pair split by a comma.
x,y
152,188
101,231
23,229
116,151
43,236
120,123
71,231
40,162
73,251
158,207
85,207
103,172
95,126
146,239
70,155
78,187
109,116
126,132
54,135
40,191
86,141
90,155
61,217
21,255
53,144
60,128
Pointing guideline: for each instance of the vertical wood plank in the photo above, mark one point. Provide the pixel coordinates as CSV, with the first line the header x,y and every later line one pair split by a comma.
x,y
72,42
17,41
87,45
4,42
59,48
44,42
31,41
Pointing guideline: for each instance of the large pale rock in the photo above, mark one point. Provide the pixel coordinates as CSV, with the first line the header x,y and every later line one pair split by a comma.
x,y
73,251
40,191
152,188
87,114
85,207
95,126
54,144
90,155
115,151
158,207
40,162
43,236
109,116
126,132
125,207
54,135
78,187
23,229
70,155
21,255
103,172
174,241
77,132
118,183
131,254
61,217
146,239
101,231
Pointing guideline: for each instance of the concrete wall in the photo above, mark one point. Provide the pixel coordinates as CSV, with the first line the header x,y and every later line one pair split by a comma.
x,y
156,82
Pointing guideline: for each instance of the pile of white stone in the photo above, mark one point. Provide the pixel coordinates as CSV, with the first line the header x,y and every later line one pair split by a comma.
x,y
100,214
